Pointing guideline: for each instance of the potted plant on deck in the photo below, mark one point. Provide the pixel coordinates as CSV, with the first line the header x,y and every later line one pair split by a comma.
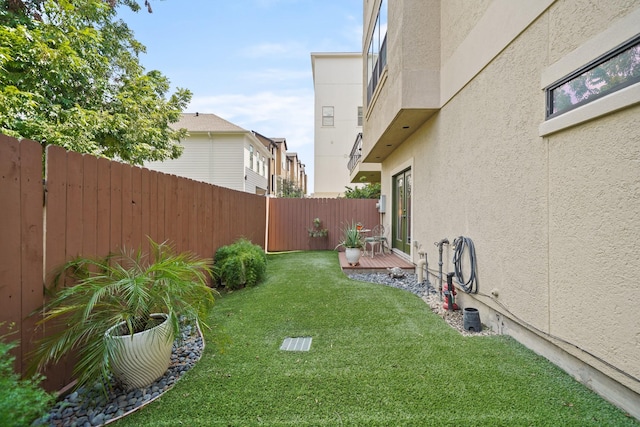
x,y
353,243
126,304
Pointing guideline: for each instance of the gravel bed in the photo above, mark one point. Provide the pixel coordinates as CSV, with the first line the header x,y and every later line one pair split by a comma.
x,y
427,292
88,407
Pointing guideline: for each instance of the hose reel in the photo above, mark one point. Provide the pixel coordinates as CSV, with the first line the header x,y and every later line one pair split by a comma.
x,y
462,245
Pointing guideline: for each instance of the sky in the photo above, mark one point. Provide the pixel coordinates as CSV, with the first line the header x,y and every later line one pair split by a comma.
x,y
248,61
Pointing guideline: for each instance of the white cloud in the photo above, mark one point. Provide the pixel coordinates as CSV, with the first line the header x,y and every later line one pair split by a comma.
x,y
273,114
288,49
270,75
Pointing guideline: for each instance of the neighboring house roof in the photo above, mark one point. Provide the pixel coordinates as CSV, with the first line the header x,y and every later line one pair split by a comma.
x,y
268,142
280,141
197,122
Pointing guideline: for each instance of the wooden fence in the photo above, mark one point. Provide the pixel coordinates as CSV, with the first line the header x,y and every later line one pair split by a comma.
x,y
90,206
289,220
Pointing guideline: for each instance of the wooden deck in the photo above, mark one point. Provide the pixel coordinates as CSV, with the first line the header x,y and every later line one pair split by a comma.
x,y
379,263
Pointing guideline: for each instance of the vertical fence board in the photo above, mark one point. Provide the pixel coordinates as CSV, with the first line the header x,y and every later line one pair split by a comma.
x,y
116,206
56,209
127,208
216,217
103,212
170,219
194,241
153,205
90,205
185,197
74,204
145,211
207,221
32,253
10,227
161,231
56,238
136,208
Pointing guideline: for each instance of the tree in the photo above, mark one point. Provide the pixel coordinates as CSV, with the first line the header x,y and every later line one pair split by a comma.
x,y
70,76
368,191
288,188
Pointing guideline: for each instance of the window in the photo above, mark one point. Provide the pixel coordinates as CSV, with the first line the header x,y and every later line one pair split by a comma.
x,y
251,157
359,116
264,163
327,116
609,73
377,52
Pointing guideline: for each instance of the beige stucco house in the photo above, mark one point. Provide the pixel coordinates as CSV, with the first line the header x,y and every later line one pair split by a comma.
x,y
221,153
515,123
337,85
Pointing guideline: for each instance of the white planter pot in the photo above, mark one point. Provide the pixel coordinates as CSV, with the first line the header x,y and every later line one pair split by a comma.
x,y
353,255
143,357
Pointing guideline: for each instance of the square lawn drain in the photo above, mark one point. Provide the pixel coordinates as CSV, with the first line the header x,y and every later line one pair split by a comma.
x,y
296,344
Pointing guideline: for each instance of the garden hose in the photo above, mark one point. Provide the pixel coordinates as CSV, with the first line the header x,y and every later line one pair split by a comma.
x,y
459,245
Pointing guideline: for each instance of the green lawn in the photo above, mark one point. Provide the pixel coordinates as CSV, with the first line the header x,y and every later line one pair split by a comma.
x,y
379,357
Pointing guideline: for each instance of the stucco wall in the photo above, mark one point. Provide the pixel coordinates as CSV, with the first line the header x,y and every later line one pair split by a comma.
x,y
462,15
573,22
594,249
554,219
338,84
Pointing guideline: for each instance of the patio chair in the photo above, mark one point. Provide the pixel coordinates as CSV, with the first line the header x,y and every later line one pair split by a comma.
x,y
376,238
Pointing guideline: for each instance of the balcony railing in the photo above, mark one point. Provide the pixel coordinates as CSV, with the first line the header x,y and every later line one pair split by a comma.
x,y
381,62
356,153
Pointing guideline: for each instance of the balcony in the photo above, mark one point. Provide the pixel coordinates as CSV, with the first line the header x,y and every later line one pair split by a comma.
x,y
359,171
404,90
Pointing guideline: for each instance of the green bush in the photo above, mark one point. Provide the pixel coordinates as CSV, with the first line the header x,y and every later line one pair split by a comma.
x,y
240,264
21,401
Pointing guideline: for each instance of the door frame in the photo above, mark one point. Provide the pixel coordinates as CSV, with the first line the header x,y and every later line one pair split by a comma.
x,y
401,227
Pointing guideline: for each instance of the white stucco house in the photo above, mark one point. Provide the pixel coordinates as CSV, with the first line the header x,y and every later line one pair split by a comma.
x,y
221,153
337,84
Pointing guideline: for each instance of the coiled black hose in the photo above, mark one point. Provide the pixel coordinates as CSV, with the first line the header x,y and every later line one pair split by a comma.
x,y
459,245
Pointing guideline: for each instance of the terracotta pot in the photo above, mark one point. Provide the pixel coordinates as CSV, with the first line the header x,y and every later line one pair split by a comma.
x,y
143,357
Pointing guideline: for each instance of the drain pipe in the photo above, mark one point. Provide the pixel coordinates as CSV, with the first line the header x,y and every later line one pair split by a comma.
x,y
439,244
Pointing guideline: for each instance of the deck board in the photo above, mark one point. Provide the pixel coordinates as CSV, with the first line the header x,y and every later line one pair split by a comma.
x,y
379,263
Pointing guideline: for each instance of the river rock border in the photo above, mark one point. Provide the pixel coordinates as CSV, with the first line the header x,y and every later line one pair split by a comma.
x,y
88,407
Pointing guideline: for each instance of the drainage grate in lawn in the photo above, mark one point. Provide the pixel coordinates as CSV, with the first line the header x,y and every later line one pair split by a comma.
x,y
296,344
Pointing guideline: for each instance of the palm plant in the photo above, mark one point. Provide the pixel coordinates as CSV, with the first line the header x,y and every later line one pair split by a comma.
x,y
124,288
351,237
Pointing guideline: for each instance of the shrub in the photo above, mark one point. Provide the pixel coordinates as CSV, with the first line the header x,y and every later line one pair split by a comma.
x,y
370,190
240,264
21,401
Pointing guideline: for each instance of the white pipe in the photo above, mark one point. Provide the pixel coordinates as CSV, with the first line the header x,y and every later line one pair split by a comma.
x,y
420,266
420,269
